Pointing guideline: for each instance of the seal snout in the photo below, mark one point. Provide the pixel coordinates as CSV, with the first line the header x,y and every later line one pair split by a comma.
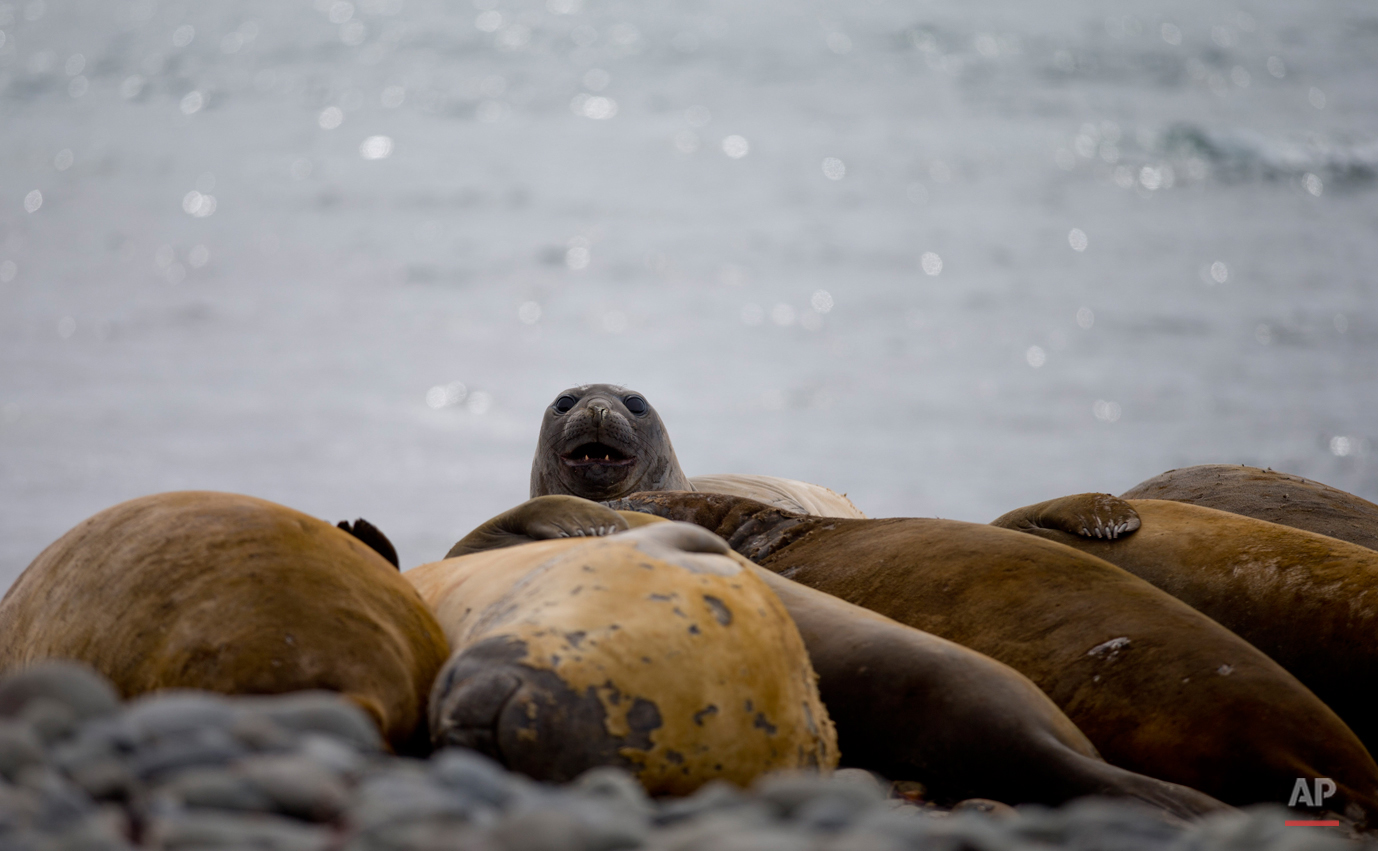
x,y
597,437
596,453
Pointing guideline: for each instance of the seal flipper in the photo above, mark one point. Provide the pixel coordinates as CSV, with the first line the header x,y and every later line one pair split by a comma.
x,y
374,537
540,519
1089,515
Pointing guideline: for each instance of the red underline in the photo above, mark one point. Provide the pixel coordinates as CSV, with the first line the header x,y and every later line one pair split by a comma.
x,y
1312,824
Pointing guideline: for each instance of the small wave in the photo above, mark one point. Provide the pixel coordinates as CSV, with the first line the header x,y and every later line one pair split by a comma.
x,y
1245,155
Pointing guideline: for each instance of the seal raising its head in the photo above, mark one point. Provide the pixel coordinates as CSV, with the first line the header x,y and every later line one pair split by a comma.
x,y
603,442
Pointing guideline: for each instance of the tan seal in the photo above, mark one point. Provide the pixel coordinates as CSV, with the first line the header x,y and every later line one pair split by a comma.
x,y
1309,601
1157,686
601,442
655,650
232,594
907,704
1268,495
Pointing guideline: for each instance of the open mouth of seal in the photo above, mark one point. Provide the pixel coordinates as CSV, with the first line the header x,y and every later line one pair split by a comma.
x,y
589,454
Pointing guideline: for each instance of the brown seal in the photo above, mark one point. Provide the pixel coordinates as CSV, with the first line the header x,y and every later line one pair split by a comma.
x,y
602,441
1158,687
907,704
231,594
1268,495
655,650
1309,601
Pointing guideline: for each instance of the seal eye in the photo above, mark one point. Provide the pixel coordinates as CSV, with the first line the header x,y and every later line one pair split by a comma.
x,y
636,405
564,403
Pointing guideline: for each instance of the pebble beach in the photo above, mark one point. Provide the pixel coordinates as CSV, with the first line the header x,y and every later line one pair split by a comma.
x,y
307,772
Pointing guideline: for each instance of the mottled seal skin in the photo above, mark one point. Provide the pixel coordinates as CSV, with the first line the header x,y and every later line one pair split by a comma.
x,y
231,594
1157,686
1268,495
593,445
656,650
1309,601
907,704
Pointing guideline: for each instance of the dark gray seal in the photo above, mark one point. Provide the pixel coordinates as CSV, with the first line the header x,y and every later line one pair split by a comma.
x,y
602,442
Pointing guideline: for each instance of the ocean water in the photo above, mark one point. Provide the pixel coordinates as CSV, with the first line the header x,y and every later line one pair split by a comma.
x,y
949,258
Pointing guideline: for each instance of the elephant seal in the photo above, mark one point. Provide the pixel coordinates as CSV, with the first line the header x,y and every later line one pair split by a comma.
x,y
1158,687
1268,495
787,494
906,704
601,442
230,594
1309,601
653,650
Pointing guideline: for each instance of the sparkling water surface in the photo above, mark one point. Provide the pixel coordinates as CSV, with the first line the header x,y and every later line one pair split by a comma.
x,y
950,258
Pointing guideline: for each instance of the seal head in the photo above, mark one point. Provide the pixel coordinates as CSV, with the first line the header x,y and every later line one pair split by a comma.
x,y
601,442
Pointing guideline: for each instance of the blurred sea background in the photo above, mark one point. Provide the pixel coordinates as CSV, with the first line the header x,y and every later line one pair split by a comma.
x,y
947,257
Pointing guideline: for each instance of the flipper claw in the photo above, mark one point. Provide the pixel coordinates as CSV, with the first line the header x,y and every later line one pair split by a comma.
x,y
1090,515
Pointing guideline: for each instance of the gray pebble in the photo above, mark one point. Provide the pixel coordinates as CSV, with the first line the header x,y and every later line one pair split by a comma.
x,y
318,712
216,788
856,840
714,796
908,826
600,824
408,794
297,786
539,831
287,785
732,833
185,748
50,719
20,748
105,780
205,829
616,787
828,813
985,806
18,807
104,830
703,831
259,733
1261,828
103,739
168,713
429,835
477,776
87,694
1090,820
569,826
791,794
331,754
